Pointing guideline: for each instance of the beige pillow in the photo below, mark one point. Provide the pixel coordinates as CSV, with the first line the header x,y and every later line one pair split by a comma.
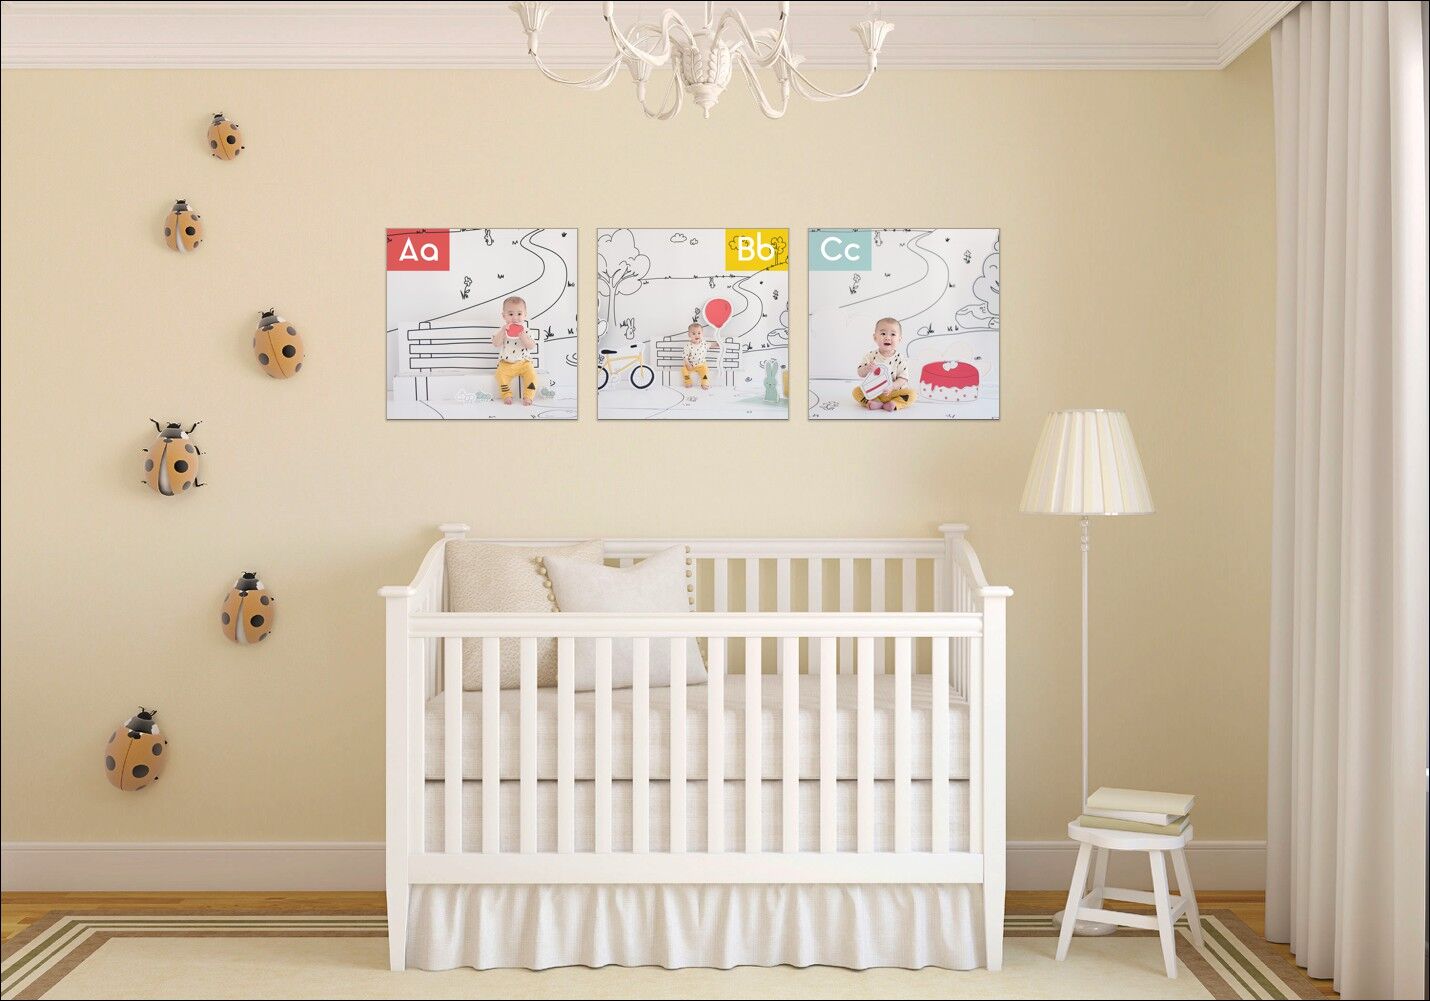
x,y
663,582
490,577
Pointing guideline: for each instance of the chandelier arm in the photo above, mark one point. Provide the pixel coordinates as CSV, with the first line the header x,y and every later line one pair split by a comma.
x,y
667,112
599,80
757,90
670,22
764,59
811,91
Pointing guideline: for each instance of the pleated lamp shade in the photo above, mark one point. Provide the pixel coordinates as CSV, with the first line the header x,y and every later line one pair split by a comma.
x,y
1087,464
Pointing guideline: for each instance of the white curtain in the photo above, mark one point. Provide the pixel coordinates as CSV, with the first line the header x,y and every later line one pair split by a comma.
x,y
1347,790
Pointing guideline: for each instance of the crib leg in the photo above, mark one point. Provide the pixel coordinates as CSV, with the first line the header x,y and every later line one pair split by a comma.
x,y
397,924
993,923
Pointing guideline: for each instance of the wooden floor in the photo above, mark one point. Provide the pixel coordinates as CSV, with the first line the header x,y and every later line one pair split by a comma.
x,y
19,909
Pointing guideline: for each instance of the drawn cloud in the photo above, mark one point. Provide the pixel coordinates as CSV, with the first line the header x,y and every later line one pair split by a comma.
x,y
678,238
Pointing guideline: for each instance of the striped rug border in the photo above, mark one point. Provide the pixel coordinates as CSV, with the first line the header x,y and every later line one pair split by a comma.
x,y
1233,963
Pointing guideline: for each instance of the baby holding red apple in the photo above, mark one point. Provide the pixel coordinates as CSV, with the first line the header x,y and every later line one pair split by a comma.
x,y
514,343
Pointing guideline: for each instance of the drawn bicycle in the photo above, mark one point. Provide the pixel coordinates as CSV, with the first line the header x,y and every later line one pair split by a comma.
x,y
641,374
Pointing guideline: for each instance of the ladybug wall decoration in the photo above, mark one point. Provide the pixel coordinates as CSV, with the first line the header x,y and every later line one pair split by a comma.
x,y
171,463
278,346
182,229
248,611
225,138
136,753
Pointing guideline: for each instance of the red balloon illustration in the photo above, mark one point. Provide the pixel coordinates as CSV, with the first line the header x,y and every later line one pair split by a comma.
x,y
717,311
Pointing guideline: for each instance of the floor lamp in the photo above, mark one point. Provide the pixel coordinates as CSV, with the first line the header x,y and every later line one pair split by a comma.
x,y
1086,465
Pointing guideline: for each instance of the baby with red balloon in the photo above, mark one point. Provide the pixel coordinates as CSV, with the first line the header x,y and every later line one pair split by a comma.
x,y
715,312
514,345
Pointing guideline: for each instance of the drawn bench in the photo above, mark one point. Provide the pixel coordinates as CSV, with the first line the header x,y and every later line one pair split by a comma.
x,y
670,359
450,350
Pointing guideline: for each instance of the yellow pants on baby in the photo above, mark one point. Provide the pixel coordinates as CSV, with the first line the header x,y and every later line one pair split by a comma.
x,y
686,371
900,398
523,371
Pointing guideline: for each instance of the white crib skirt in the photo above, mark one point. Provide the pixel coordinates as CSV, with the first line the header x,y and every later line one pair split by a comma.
x,y
539,927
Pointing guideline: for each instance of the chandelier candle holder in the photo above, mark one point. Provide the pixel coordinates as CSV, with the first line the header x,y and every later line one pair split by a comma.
x,y
703,58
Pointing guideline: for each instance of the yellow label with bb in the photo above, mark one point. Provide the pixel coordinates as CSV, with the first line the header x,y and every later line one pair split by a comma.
x,y
757,250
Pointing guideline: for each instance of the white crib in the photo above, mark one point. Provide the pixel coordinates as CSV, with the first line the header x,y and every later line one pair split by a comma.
x,y
821,607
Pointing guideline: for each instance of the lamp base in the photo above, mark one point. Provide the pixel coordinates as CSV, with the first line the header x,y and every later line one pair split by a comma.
x,y
1087,929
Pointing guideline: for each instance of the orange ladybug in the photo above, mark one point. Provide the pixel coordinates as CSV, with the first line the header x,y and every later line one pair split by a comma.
x,y
171,464
182,229
277,346
248,611
136,753
225,138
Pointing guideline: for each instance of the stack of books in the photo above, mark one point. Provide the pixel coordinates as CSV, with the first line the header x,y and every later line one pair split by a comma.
x,y
1138,810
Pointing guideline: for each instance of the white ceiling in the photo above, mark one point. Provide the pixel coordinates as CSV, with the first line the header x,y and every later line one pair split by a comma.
x,y
1133,35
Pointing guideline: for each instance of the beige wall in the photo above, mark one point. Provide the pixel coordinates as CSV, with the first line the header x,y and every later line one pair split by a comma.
x,y
1137,247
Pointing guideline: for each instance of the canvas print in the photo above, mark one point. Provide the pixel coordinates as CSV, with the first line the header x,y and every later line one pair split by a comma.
x,y
903,324
481,324
692,324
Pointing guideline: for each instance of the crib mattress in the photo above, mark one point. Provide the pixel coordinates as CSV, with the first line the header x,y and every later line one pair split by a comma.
x,y
697,728
697,840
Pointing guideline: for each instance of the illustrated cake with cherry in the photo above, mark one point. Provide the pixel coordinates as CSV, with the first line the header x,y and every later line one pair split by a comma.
x,y
949,381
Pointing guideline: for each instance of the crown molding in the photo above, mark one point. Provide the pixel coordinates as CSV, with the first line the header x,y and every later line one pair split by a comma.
x,y
479,35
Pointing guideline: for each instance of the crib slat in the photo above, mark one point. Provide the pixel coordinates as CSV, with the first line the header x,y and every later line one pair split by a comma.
x,y
528,744
754,683
565,745
902,695
828,746
877,589
909,592
722,584
782,605
640,746
938,772
975,743
790,768
603,745
846,604
491,745
752,585
416,744
864,747
677,744
715,730
815,603
452,742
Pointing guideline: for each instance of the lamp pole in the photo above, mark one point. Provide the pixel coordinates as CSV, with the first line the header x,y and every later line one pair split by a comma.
x,y
1083,805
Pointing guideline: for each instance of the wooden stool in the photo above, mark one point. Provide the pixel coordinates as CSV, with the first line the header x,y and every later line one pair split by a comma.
x,y
1169,907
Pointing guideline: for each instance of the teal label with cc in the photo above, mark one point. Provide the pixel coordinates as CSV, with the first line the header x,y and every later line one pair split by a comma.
x,y
840,249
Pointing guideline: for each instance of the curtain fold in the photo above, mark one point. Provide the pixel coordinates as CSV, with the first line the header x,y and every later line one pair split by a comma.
x,y
1347,729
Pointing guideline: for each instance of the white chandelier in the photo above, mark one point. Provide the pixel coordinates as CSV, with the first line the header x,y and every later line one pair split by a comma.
x,y
703,59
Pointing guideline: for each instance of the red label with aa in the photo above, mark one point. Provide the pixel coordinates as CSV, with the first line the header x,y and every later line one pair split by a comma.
x,y
418,249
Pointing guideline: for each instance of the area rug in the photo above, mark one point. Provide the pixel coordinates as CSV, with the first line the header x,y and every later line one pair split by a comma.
x,y
244,954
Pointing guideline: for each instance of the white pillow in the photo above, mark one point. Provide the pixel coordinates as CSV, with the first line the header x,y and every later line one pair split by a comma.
x,y
663,583
491,577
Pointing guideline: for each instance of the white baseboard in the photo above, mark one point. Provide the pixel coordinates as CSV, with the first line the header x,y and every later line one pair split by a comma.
x,y
340,865
199,865
1215,865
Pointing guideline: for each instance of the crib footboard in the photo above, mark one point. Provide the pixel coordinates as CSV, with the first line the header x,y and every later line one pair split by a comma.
x,y
960,647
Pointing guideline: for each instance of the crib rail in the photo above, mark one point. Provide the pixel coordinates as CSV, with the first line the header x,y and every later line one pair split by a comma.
x,y
959,645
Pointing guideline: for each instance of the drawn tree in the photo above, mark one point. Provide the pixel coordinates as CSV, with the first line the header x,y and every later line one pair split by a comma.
x,y
620,269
